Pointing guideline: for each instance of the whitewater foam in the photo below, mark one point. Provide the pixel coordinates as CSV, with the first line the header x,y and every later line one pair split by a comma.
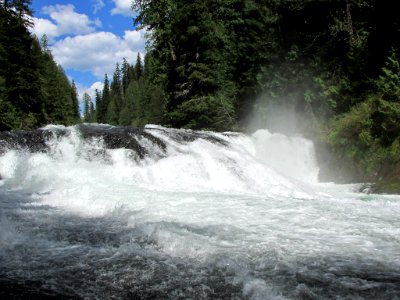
x,y
193,215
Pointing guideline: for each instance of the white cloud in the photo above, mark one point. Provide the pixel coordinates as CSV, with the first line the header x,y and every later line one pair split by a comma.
x,y
98,52
97,5
77,45
135,38
95,86
44,26
123,7
64,21
97,22
91,91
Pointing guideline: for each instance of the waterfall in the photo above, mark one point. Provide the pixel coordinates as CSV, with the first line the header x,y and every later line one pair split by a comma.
x,y
96,211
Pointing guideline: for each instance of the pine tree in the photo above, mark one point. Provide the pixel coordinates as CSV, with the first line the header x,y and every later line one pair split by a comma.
x,y
59,97
44,43
19,65
125,75
112,113
138,67
99,105
34,89
116,98
116,84
86,107
92,112
74,107
102,106
19,9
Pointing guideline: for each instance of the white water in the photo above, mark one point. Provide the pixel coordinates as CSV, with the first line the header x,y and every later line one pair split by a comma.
x,y
247,219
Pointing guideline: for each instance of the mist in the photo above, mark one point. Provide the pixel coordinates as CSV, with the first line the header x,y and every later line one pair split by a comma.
x,y
294,117
281,115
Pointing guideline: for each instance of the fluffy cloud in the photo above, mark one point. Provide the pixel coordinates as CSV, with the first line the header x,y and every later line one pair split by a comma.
x,y
123,7
64,21
44,26
98,52
77,45
134,38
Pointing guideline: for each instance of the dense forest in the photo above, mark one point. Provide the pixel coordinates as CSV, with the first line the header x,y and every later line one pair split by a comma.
x,y
329,69
34,90
130,98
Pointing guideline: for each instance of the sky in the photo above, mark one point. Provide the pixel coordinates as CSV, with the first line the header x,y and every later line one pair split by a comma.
x,y
88,37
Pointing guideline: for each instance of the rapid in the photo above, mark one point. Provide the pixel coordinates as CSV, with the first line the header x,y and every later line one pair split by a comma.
x,y
102,212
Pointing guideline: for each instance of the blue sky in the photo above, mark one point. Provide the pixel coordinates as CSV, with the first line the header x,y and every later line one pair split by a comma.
x,y
88,37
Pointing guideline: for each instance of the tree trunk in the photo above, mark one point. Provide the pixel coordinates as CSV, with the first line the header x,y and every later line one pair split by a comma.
x,y
349,22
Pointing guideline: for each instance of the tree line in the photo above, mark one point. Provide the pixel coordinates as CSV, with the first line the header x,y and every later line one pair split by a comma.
x,y
129,99
34,90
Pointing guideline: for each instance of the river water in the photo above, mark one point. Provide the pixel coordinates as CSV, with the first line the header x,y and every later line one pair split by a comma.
x,y
100,212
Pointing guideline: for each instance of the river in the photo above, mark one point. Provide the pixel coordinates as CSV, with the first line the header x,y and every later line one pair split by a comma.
x,y
102,212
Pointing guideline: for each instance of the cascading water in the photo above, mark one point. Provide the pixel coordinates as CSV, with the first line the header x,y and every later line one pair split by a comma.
x,y
101,212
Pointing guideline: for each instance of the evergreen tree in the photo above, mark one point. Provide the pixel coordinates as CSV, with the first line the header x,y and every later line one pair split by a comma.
x,y
19,67
125,75
98,98
112,113
102,106
44,43
59,97
35,90
138,67
19,9
74,107
116,98
87,113
196,53
127,114
386,106
116,83
92,112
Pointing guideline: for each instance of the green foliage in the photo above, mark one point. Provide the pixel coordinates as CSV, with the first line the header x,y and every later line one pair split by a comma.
x,y
73,105
208,112
125,73
19,68
353,126
388,84
19,10
88,109
131,98
102,102
138,69
386,187
113,112
368,134
386,121
193,57
59,98
8,114
34,89
311,53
